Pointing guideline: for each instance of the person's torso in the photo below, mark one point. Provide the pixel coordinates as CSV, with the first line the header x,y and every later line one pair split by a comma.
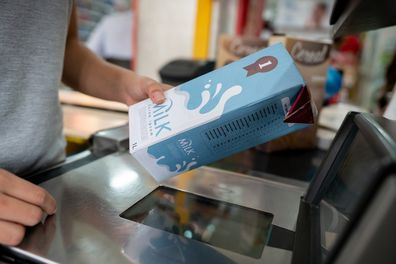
x,y
32,43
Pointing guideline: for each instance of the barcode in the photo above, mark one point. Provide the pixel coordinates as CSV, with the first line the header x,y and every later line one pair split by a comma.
x,y
245,124
259,125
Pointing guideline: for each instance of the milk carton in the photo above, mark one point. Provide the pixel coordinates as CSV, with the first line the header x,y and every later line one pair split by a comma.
x,y
223,112
312,60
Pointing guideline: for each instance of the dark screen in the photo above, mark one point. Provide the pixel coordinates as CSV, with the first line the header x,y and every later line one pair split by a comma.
x,y
221,224
352,180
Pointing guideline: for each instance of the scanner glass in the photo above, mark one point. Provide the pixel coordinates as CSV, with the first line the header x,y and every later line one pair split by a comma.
x,y
224,225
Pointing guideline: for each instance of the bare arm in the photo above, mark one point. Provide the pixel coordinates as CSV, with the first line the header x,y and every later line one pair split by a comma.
x,y
85,72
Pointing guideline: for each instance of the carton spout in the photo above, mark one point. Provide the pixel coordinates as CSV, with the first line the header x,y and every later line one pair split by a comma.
x,y
303,110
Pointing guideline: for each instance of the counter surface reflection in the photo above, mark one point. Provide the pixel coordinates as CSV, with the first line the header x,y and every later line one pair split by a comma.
x,y
88,228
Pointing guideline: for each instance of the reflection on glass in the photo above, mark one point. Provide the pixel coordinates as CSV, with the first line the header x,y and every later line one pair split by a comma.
x,y
224,225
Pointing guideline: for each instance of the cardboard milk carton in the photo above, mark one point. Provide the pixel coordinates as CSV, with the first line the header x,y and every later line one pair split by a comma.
x,y
312,60
245,103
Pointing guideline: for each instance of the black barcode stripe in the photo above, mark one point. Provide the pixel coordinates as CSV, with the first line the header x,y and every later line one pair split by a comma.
x,y
239,125
231,128
223,131
273,109
247,123
233,123
218,131
214,131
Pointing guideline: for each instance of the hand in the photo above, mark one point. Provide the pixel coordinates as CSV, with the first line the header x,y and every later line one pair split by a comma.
x,y
137,88
21,204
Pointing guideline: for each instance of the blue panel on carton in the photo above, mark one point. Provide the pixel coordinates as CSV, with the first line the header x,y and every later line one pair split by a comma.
x,y
220,113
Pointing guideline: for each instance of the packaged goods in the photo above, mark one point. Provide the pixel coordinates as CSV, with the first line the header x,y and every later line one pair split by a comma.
x,y
245,103
312,60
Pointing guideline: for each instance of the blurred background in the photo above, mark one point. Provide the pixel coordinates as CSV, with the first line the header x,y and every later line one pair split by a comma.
x,y
175,41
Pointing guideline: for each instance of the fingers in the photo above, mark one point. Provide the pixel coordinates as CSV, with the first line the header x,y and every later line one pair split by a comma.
x,y
137,88
16,211
26,191
11,234
21,204
156,92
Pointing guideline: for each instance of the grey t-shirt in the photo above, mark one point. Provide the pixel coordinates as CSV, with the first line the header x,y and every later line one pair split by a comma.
x,y
32,44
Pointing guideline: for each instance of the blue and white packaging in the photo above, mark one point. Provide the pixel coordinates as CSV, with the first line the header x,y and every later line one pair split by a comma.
x,y
217,114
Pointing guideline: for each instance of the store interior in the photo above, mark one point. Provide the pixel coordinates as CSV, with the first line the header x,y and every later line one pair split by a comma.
x,y
174,42
322,194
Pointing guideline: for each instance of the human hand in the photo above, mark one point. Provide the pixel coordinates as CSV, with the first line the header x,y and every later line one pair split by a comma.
x,y
21,204
137,88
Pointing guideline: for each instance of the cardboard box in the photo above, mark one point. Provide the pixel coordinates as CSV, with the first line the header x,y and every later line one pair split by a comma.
x,y
312,60
232,48
220,113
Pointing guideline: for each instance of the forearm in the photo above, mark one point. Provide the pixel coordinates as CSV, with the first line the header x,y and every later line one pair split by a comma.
x,y
85,72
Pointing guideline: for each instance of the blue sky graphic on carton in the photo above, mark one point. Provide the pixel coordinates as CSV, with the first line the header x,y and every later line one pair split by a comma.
x,y
229,89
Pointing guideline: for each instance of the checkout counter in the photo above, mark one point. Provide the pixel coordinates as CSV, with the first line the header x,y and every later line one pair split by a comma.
x,y
110,210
